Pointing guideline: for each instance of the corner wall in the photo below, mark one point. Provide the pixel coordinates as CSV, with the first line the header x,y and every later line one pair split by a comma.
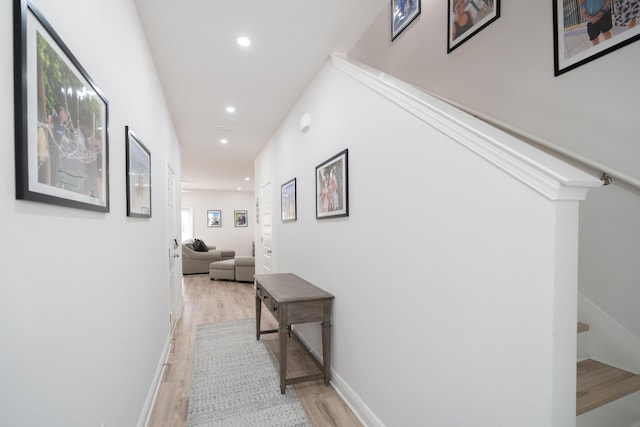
x,y
84,317
455,283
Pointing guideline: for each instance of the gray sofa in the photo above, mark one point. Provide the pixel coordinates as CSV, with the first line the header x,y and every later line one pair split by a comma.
x,y
195,262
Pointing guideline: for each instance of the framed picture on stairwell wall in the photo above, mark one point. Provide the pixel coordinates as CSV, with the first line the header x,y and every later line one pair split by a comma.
x,y
61,119
403,12
584,30
468,17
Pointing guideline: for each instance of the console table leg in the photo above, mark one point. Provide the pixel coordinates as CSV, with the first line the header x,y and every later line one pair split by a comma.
x,y
283,334
258,314
326,350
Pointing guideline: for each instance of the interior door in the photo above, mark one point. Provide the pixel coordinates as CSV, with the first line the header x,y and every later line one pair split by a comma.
x,y
175,288
266,229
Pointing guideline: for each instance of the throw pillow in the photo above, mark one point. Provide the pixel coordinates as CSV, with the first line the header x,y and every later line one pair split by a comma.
x,y
200,246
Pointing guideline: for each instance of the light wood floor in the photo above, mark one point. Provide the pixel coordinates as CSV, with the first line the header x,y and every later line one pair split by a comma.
x,y
207,301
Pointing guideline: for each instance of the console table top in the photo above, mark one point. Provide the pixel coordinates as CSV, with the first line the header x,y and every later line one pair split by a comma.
x,y
288,287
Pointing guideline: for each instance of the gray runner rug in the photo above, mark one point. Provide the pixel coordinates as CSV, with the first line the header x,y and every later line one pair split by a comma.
x,y
235,381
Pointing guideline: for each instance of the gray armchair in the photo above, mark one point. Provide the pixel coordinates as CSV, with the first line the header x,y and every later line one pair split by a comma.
x,y
195,262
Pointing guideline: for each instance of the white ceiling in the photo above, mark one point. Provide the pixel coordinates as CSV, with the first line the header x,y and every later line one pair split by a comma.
x,y
202,70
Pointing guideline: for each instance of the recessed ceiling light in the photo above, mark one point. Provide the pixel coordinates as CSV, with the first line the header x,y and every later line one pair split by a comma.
x,y
247,179
244,41
239,188
231,109
224,141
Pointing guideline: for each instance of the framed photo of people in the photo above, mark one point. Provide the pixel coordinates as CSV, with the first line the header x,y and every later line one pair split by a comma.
x,y
240,219
403,12
332,187
467,17
61,120
584,30
288,205
138,176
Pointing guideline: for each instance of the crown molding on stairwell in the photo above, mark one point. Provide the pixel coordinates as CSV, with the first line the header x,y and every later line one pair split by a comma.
x,y
544,173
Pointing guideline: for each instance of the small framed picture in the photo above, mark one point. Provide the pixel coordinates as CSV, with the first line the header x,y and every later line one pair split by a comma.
x,y
214,218
467,17
332,187
61,120
240,219
288,201
138,176
584,30
403,12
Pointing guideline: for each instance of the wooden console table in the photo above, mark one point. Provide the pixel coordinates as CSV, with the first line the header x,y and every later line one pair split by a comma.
x,y
292,300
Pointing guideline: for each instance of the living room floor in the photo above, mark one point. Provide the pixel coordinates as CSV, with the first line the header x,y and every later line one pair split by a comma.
x,y
207,301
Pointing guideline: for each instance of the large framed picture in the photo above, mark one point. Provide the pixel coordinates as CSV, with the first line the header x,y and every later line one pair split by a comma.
x,y
332,187
584,30
138,176
467,17
403,12
240,219
288,206
61,120
214,218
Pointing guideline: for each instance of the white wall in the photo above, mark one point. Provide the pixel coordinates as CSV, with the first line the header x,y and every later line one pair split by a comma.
x,y
84,316
228,236
448,293
505,75
505,72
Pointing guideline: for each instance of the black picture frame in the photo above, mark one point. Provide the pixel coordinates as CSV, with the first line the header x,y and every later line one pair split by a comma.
x,y
214,218
476,14
332,187
240,218
288,202
61,120
403,12
138,159
572,42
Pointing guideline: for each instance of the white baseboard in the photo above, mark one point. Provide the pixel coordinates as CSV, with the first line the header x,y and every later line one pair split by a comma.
x,y
155,385
145,414
353,401
609,341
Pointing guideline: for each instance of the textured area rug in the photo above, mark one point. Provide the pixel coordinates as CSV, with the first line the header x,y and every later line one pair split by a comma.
x,y
235,381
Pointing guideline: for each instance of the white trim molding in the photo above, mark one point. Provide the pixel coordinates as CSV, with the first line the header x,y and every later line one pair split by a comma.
x,y
544,173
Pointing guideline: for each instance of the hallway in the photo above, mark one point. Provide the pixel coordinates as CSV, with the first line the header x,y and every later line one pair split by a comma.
x,y
207,301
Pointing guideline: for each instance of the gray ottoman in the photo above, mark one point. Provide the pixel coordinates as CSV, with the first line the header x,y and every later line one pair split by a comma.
x,y
245,268
227,254
222,270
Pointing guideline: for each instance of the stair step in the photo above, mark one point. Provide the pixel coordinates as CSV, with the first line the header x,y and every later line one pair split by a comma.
x,y
582,327
599,384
